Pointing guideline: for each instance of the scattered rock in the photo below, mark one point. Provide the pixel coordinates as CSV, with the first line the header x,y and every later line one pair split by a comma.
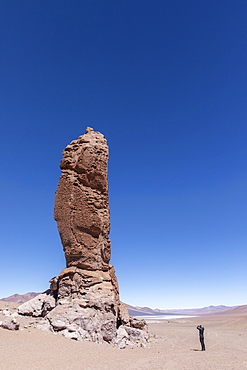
x,y
6,312
10,323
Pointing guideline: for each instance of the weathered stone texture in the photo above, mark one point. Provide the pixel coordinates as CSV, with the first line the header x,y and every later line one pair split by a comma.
x,y
83,301
81,205
10,323
38,306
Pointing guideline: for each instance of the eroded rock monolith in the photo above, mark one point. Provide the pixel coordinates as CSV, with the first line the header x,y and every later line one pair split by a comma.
x,y
85,293
81,206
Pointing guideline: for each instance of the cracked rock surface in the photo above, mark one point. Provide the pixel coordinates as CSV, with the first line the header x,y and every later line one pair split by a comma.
x,y
83,300
81,205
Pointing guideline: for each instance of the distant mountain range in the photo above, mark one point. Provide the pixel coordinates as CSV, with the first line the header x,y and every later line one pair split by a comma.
x,y
18,298
146,311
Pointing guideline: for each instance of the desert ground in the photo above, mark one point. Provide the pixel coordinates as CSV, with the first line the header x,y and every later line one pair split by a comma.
x,y
175,346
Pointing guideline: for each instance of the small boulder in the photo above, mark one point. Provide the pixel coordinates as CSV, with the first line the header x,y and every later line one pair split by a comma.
x,y
138,323
6,312
38,306
121,338
10,323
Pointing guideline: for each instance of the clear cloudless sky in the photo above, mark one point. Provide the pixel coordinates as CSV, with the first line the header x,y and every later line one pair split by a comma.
x,y
166,82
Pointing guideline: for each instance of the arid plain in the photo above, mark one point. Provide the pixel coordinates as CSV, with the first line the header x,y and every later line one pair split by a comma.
x,y
175,346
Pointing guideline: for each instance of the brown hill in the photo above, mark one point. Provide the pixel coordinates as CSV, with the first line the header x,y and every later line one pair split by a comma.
x,y
240,310
143,311
18,298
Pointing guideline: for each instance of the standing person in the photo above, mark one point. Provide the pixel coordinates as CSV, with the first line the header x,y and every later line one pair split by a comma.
x,y
201,336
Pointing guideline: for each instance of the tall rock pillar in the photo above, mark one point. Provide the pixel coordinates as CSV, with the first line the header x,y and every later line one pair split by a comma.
x,y
81,205
83,300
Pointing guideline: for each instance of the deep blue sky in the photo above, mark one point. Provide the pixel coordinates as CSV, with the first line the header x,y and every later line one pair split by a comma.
x,y
166,82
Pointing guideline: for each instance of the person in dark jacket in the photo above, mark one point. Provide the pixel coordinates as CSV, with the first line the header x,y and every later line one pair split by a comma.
x,y
201,336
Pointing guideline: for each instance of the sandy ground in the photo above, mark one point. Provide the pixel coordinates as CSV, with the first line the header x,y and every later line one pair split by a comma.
x,y
176,347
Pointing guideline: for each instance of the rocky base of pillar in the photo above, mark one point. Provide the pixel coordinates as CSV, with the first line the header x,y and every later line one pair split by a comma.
x,y
83,305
